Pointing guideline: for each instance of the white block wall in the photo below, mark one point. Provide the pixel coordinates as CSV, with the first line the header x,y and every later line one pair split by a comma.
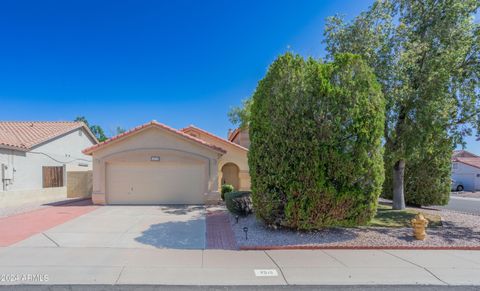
x,y
63,150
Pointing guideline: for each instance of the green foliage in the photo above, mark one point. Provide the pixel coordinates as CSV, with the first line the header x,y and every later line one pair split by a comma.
x,y
82,119
120,130
226,188
239,202
240,115
98,132
426,56
95,129
427,175
316,156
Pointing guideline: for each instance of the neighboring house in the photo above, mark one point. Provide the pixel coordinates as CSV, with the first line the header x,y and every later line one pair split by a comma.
x,y
466,171
240,136
233,165
155,164
35,158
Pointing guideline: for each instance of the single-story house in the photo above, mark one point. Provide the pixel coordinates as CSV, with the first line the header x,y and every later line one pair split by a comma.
x,y
466,170
233,165
35,158
156,164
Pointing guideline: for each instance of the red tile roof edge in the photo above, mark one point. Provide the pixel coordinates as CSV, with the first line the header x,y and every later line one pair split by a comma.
x,y
27,147
459,160
149,124
458,152
214,136
233,134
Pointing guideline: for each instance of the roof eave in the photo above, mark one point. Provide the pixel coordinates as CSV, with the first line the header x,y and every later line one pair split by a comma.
x,y
115,139
10,147
228,142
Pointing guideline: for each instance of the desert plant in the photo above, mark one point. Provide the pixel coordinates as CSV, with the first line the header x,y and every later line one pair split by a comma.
x,y
226,188
315,157
239,202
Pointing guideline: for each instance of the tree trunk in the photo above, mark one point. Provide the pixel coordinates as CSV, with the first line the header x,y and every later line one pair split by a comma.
x,y
398,194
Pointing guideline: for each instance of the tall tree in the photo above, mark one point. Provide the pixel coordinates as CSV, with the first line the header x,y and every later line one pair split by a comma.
x,y
426,55
119,130
240,115
97,130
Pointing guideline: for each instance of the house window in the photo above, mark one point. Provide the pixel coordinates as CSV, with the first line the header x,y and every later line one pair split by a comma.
x,y
52,177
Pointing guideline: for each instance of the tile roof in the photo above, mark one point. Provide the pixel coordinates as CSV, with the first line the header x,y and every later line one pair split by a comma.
x,y
233,134
23,135
474,162
463,153
213,136
152,123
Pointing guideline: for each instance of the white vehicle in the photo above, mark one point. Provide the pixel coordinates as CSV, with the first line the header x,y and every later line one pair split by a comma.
x,y
457,186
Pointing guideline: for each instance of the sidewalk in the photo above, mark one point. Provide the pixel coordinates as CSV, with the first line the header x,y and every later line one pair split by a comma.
x,y
220,267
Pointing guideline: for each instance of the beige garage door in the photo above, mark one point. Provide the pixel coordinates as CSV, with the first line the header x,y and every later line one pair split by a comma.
x,y
155,183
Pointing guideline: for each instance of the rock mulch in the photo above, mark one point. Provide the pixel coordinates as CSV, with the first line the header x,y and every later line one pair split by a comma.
x,y
458,230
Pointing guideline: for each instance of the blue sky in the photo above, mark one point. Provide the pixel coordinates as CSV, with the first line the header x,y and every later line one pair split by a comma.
x,y
123,63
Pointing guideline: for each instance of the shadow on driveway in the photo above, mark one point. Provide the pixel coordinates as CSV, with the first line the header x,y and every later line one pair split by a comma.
x,y
188,234
182,209
184,228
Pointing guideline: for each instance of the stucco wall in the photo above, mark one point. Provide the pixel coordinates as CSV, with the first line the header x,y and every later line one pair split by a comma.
x,y
148,142
234,155
242,138
466,175
27,166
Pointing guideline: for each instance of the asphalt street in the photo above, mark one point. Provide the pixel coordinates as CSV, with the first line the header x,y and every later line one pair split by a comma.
x,y
239,288
466,205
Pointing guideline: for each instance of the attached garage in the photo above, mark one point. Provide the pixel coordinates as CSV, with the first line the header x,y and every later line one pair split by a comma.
x,y
154,164
155,183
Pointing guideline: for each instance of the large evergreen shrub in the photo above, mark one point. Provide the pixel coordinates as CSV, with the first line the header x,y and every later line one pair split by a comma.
x,y
316,155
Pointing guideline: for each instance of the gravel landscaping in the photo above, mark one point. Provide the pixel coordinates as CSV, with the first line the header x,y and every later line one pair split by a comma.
x,y
457,230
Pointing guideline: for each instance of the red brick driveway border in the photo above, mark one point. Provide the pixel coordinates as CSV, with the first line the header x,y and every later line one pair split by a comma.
x,y
18,227
219,234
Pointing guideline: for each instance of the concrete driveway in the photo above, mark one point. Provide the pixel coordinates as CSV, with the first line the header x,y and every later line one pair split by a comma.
x,y
166,227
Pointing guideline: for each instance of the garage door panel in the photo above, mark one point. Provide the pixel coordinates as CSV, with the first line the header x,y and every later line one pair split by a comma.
x,y
155,183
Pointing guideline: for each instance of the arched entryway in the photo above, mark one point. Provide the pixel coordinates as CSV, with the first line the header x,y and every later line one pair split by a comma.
x,y
230,173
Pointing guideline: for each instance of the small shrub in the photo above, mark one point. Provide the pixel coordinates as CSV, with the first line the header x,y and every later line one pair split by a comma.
x,y
239,202
226,188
